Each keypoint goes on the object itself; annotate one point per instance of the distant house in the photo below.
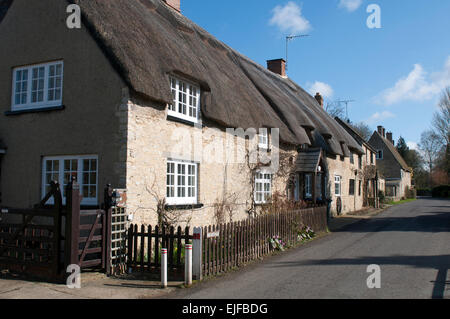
(391, 164)
(372, 180)
(123, 99)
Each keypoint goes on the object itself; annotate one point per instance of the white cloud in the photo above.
(379, 116)
(413, 146)
(289, 18)
(323, 88)
(417, 85)
(350, 5)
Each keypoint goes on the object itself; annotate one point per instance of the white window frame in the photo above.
(186, 199)
(192, 100)
(263, 178)
(36, 105)
(338, 181)
(263, 138)
(80, 172)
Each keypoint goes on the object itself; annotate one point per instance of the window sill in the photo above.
(183, 121)
(36, 110)
(183, 207)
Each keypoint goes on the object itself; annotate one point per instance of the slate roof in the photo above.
(394, 152)
(308, 160)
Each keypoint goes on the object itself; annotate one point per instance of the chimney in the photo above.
(389, 137)
(319, 99)
(174, 4)
(380, 130)
(277, 66)
(384, 132)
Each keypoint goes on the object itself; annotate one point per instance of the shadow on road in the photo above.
(440, 263)
(432, 222)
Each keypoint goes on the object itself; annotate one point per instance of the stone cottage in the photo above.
(390, 163)
(144, 99)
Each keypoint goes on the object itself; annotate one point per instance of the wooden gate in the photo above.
(30, 239)
(88, 240)
(44, 240)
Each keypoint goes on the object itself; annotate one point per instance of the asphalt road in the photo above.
(410, 243)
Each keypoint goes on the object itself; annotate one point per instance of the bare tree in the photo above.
(363, 130)
(430, 145)
(335, 109)
(441, 118)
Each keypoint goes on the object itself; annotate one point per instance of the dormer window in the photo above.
(37, 86)
(186, 100)
(263, 139)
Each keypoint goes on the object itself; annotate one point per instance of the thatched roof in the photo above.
(146, 41)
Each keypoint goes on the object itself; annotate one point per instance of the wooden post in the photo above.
(57, 219)
(130, 247)
(107, 228)
(73, 200)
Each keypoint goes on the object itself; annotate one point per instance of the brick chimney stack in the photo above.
(319, 99)
(389, 137)
(174, 4)
(381, 131)
(277, 66)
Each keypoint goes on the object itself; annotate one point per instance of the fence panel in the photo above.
(144, 247)
(233, 244)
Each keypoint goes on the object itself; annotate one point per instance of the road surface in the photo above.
(410, 243)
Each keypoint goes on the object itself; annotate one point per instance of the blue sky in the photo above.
(395, 73)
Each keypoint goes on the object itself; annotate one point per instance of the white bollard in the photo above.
(163, 267)
(197, 254)
(188, 265)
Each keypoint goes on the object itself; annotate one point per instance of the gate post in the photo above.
(197, 254)
(72, 234)
(108, 203)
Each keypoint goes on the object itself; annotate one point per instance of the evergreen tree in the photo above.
(402, 147)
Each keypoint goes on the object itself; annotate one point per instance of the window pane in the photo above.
(37, 85)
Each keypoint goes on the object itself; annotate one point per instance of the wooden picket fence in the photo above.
(223, 246)
(230, 245)
(144, 247)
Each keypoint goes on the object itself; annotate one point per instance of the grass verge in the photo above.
(402, 201)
